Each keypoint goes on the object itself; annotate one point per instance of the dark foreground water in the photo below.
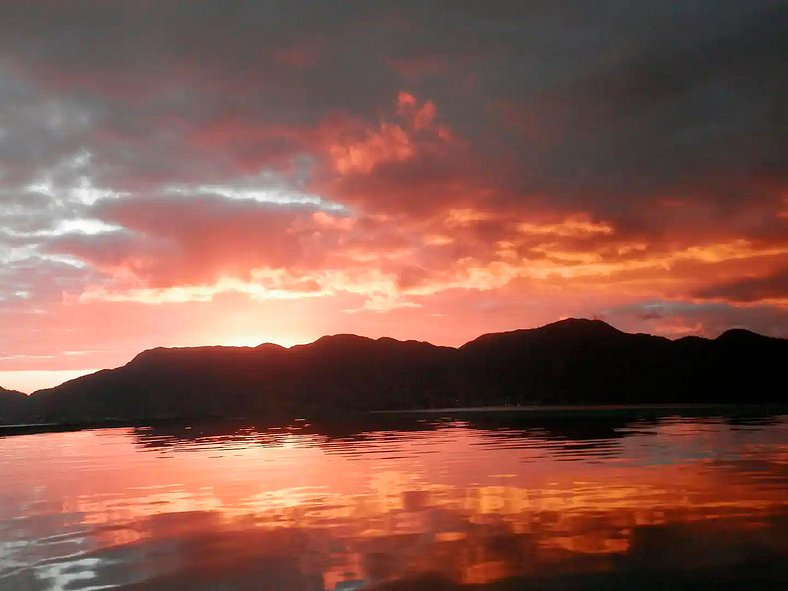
(597, 501)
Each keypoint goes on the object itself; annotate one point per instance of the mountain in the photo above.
(13, 405)
(573, 361)
(581, 361)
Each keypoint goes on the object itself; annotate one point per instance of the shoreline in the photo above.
(552, 410)
(575, 407)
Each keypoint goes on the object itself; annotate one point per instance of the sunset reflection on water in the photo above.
(591, 502)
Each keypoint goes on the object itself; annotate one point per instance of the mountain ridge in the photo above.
(572, 361)
(12, 404)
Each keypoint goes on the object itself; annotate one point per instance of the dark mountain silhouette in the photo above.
(568, 362)
(13, 405)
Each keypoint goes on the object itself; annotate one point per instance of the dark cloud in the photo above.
(677, 319)
(619, 100)
(748, 290)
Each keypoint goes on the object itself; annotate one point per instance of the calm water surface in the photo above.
(592, 502)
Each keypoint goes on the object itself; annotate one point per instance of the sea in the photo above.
(576, 499)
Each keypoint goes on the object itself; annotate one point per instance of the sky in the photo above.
(237, 172)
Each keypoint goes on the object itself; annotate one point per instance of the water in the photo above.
(501, 502)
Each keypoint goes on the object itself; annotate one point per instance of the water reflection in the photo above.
(486, 502)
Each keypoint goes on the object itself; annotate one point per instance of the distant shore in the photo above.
(567, 407)
(551, 410)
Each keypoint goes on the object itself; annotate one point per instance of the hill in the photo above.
(13, 405)
(573, 361)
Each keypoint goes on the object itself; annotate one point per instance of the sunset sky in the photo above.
(235, 172)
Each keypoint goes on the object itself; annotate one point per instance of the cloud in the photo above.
(173, 240)
(768, 289)
(710, 319)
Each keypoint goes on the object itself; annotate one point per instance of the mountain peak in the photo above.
(269, 347)
(5, 391)
(342, 339)
(566, 328)
(740, 335)
(582, 324)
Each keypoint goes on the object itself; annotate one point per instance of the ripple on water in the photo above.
(583, 502)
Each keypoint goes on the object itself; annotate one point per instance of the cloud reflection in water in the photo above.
(490, 503)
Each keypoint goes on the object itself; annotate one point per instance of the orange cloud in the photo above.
(389, 142)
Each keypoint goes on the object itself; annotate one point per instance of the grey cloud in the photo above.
(37, 281)
(708, 319)
(630, 98)
(749, 290)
